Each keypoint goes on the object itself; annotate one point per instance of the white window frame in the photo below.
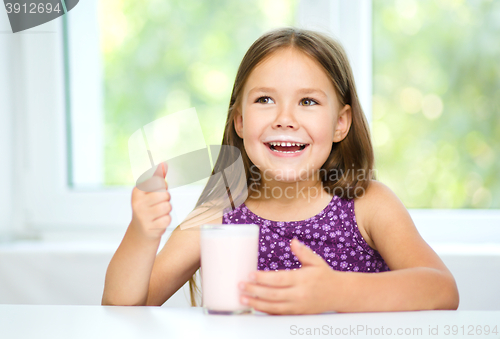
(37, 200)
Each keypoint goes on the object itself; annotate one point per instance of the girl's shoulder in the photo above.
(371, 206)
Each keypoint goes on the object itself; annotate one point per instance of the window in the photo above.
(436, 101)
(72, 165)
(130, 63)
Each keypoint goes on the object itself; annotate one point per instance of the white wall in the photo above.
(477, 278)
(60, 273)
(73, 273)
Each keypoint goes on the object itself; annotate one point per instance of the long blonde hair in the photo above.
(354, 152)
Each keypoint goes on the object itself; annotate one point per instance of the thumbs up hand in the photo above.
(151, 205)
(157, 182)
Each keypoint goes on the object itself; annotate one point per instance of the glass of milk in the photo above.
(228, 255)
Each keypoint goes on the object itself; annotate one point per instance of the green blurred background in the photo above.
(436, 85)
(436, 101)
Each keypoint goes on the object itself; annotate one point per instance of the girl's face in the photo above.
(290, 116)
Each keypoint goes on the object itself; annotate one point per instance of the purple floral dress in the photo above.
(333, 234)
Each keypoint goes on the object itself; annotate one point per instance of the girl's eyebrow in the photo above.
(312, 91)
(303, 91)
(262, 89)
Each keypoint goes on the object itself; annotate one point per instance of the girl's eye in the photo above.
(264, 100)
(308, 102)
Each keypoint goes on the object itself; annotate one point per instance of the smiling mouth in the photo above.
(286, 147)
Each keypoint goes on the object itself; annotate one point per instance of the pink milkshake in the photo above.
(228, 254)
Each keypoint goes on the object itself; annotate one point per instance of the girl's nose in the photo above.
(285, 119)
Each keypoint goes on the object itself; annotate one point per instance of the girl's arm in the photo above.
(128, 274)
(418, 278)
(129, 271)
(143, 278)
(175, 264)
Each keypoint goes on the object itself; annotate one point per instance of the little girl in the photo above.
(332, 238)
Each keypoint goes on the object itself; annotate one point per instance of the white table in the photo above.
(94, 322)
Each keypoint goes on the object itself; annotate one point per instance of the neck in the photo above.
(287, 193)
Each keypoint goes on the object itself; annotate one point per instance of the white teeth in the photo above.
(285, 144)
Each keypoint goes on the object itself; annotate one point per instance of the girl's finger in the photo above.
(265, 293)
(305, 255)
(152, 185)
(273, 278)
(160, 211)
(155, 199)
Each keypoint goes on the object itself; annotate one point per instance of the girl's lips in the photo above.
(288, 151)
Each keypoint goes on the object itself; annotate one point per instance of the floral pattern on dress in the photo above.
(333, 234)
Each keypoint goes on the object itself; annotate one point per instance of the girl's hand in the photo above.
(151, 205)
(312, 289)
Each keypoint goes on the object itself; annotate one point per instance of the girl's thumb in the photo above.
(305, 255)
(161, 170)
